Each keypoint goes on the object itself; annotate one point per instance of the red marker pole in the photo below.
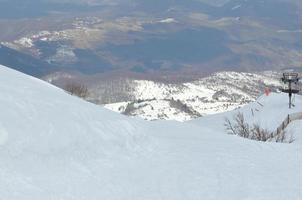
(267, 91)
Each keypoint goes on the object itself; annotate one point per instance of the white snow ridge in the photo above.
(168, 20)
(54, 146)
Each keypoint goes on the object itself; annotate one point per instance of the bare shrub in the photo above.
(282, 137)
(260, 134)
(76, 89)
(130, 108)
(241, 128)
(183, 107)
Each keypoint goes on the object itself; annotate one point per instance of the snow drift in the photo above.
(55, 146)
(39, 118)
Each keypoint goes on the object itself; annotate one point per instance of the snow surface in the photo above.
(54, 146)
(26, 42)
(168, 20)
(236, 7)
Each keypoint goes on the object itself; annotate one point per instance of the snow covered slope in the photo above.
(220, 92)
(267, 111)
(55, 146)
(38, 117)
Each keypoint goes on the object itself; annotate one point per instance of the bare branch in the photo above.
(76, 89)
(254, 132)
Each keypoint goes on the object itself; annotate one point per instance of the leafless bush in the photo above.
(284, 137)
(130, 108)
(241, 128)
(183, 107)
(76, 89)
(260, 134)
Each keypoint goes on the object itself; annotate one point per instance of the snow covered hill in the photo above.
(220, 92)
(55, 146)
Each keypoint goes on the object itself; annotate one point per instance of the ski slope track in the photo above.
(54, 146)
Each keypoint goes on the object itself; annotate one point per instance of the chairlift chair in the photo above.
(291, 85)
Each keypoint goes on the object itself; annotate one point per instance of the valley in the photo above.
(137, 39)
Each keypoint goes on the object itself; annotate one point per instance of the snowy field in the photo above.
(57, 147)
(217, 93)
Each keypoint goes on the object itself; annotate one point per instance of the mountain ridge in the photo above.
(220, 92)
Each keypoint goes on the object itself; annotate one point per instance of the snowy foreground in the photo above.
(57, 147)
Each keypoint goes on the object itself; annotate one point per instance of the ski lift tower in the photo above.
(291, 81)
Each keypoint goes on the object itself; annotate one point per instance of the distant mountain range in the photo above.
(153, 38)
